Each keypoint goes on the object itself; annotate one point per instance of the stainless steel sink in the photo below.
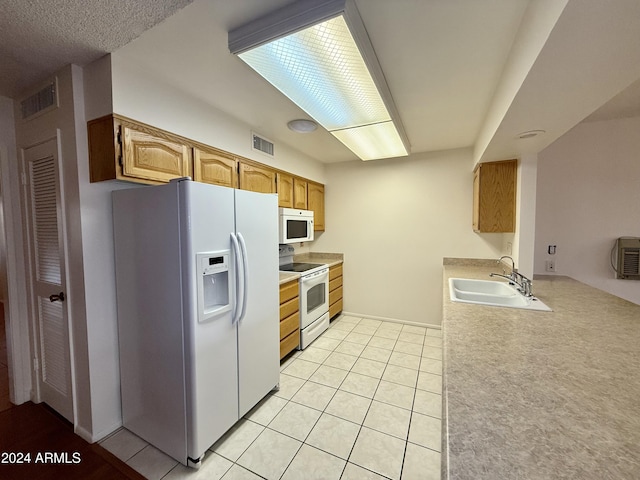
(490, 292)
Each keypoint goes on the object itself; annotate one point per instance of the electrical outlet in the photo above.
(550, 266)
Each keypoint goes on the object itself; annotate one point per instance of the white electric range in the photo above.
(314, 295)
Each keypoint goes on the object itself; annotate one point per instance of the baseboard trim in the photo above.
(393, 320)
(93, 438)
(84, 434)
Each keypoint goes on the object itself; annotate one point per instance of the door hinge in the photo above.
(36, 364)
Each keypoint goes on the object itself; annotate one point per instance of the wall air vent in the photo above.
(43, 100)
(261, 144)
(628, 256)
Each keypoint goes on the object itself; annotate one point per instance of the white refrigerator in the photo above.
(198, 310)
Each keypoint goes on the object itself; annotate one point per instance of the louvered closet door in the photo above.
(49, 306)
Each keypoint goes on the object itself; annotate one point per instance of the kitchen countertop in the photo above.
(330, 259)
(540, 395)
(288, 277)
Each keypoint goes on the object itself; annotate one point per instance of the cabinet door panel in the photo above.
(494, 196)
(290, 343)
(299, 194)
(215, 168)
(288, 291)
(335, 271)
(335, 295)
(152, 157)
(257, 179)
(335, 308)
(289, 325)
(288, 308)
(285, 190)
(315, 202)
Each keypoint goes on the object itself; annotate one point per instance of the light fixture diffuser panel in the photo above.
(321, 70)
(373, 142)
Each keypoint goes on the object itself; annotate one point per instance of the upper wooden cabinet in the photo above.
(215, 166)
(285, 190)
(494, 196)
(126, 150)
(257, 178)
(299, 193)
(315, 202)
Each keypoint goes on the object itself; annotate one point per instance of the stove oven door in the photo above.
(314, 297)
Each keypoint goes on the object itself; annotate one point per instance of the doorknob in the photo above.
(57, 298)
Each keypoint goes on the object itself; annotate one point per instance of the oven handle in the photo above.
(316, 279)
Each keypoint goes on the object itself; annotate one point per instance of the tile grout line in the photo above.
(336, 389)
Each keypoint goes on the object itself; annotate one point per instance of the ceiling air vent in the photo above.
(41, 101)
(262, 144)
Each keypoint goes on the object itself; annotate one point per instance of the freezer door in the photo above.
(259, 327)
(150, 326)
(207, 222)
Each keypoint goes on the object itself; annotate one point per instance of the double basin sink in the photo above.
(490, 292)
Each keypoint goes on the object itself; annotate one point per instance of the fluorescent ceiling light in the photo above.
(319, 55)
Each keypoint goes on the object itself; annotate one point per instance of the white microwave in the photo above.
(295, 225)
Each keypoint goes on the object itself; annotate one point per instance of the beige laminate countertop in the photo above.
(541, 395)
(330, 259)
(288, 277)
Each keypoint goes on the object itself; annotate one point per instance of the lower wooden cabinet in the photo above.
(289, 318)
(335, 290)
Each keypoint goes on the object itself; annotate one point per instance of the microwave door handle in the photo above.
(237, 307)
(245, 276)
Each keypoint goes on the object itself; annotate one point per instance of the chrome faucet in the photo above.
(515, 277)
(513, 264)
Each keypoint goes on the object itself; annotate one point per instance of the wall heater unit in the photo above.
(628, 258)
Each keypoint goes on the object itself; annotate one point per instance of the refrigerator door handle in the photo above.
(245, 276)
(237, 308)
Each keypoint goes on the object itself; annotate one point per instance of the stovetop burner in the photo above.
(299, 267)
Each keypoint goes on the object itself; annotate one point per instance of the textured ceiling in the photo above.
(463, 73)
(38, 37)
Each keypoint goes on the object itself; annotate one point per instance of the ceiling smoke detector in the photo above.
(302, 125)
(529, 134)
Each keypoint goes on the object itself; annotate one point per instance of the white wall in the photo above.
(587, 196)
(537, 23)
(30, 133)
(141, 97)
(395, 220)
(7, 144)
(15, 303)
(98, 259)
(522, 241)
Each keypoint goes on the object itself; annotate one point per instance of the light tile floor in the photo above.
(364, 401)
